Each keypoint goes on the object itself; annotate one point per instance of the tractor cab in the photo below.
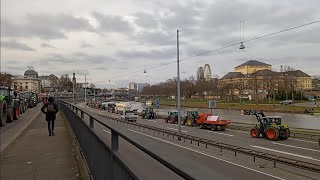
(192, 113)
(148, 113)
(173, 113)
(276, 120)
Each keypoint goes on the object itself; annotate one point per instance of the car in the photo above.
(286, 102)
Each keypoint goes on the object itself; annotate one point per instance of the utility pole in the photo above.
(85, 89)
(73, 86)
(178, 89)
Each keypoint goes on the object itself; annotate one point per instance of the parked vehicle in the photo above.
(6, 105)
(312, 112)
(212, 122)
(111, 107)
(286, 102)
(270, 127)
(128, 115)
(248, 112)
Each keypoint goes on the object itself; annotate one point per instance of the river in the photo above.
(293, 120)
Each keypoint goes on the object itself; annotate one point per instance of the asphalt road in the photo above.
(206, 163)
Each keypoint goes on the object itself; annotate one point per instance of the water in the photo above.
(293, 120)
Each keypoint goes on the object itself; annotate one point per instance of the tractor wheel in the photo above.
(16, 113)
(171, 120)
(286, 134)
(189, 121)
(254, 132)
(10, 114)
(272, 133)
(213, 127)
(3, 113)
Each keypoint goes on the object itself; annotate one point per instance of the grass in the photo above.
(253, 106)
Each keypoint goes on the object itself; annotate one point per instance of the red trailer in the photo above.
(212, 122)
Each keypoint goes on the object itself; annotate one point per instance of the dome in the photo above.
(31, 73)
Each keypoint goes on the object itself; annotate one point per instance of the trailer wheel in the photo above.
(223, 128)
(213, 127)
(201, 126)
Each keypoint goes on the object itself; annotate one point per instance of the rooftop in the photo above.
(231, 75)
(254, 63)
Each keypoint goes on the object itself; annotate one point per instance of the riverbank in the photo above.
(237, 106)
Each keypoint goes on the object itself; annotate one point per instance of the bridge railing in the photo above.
(104, 161)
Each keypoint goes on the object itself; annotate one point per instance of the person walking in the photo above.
(51, 111)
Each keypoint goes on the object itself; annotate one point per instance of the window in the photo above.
(26, 87)
(21, 87)
(26, 82)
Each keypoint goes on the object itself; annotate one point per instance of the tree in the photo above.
(66, 83)
(5, 79)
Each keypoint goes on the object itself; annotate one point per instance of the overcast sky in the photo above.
(107, 39)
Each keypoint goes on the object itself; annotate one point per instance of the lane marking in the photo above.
(152, 120)
(244, 132)
(220, 133)
(283, 152)
(303, 140)
(106, 131)
(295, 147)
(205, 154)
(174, 125)
(176, 129)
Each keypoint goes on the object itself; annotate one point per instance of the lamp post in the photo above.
(178, 89)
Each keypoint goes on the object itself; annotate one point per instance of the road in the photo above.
(201, 161)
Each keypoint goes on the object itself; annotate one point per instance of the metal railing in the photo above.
(103, 161)
(223, 146)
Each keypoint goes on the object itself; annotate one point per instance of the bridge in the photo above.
(106, 147)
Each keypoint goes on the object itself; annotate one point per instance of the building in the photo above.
(140, 87)
(254, 77)
(29, 82)
(252, 66)
(49, 83)
(132, 86)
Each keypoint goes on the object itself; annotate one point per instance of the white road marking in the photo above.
(173, 124)
(221, 133)
(205, 154)
(245, 132)
(176, 129)
(295, 147)
(106, 131)
(303, 140)
(283, 152)
(152, 120)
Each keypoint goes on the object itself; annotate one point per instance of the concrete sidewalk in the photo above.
(35, 155)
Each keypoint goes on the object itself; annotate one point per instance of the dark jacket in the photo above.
(50, 116)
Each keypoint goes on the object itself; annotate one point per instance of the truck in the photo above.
(128, 115)
(121, 107)
(212, 122)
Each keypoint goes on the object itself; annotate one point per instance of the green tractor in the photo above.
(148, 113)
(191, 118)
(270, 127)
(172, 117)
(6, 105)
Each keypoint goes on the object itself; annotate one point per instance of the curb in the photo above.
(10, 139)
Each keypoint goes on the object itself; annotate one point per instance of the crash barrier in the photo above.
(276, 159)
(104, 162)
(294, 132)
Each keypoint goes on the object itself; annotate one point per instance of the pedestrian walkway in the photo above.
(35, 155)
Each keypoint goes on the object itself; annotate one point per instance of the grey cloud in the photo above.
(146, 20)
(155, 38)
(152, 54)
(46, 45)
(112, 23)
(86, 45)
(45, 26)
(15, 46)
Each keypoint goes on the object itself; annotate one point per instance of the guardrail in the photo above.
(223, 146)
(104, 162)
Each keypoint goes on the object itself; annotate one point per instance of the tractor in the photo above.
(148, 113)
(172, 117)
(191, 118)
(269, 127)
(6, 105)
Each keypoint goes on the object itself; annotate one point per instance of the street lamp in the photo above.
(178, 88)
